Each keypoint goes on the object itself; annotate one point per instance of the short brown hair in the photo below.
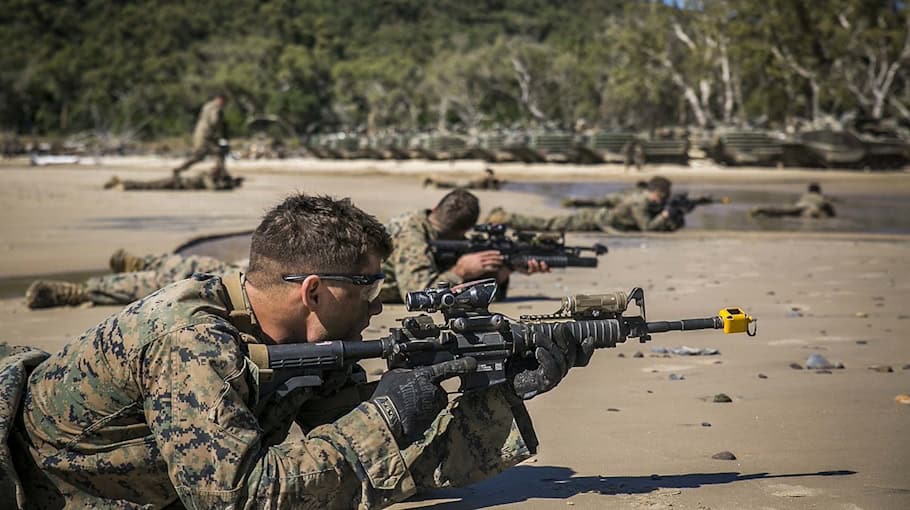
(660, 184)
(458, 210)
(314, 234)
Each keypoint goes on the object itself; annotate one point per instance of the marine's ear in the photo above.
(310, 289)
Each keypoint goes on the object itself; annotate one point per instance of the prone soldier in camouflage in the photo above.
(609, 200)
(487, 182)
(206, 181)
(642, 211)
(160, 404)
(812, 204)
(412, 267)
(133, 278)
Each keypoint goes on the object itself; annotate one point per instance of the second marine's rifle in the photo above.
(518, 248)
(469, 329)
(680, 204)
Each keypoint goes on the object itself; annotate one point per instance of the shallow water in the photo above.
(886, 214)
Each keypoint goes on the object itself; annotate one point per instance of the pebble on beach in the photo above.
(881, 368)
(762, 376)
(722, 398)
(724, 455)
(818, 362)
(796, 366)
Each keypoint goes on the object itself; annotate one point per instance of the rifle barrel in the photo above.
(685, 325)
(322, 354)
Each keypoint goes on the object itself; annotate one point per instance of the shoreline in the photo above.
(696, 170)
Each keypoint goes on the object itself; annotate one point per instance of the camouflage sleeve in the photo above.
(178, 267)
(586, 220)
(197, 387)
(413, 264)
(479, 435)
(160, 271)
(642, 214)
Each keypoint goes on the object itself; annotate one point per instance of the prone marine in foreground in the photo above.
(160, 404)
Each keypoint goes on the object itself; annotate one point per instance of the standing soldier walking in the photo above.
(210, 136)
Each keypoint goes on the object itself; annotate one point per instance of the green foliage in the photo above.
(323, 65)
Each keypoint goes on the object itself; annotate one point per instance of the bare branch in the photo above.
(681, 35)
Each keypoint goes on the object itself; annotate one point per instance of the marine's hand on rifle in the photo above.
(410, 400)
(534, 266)
(472, 266)
(552, 360)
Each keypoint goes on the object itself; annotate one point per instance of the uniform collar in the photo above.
(240, 313)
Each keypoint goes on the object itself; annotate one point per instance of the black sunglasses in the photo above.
(356, 279)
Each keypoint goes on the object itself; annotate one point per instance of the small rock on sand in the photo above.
(724, 455)
(762, 376)
(796, 366)
(722, 398)
(881, 368)
(818, 362)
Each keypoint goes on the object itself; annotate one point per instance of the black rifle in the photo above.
(518, 248)
(471, 330)
(680, 204)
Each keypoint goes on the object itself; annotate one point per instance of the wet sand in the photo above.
(802, 439)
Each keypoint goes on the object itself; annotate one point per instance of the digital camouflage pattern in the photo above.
(487, 182)
(210, 126)
(160, 402)
(214, 181)
(411, 266)
(609, 200)
(157, 272)
(15, 363)
(815, 205)
(809, 205)
(633, 212)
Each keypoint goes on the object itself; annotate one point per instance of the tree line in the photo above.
(144, 68)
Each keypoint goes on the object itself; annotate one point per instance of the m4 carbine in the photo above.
(518, 248)
(469, 329)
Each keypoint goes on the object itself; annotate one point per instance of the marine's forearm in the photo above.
(481, 434)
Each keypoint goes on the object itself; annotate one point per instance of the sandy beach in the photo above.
(620, 433)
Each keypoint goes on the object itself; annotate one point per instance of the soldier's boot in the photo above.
(114, 183)
(124, 262)
(49, 293)
(497, 215)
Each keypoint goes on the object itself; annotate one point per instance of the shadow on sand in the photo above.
(548, 482)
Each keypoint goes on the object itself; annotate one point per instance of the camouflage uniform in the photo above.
(810, 205)
(634, 212)
(487, 182)
(634, 154)
(161, 402)
(609, 200)
(210, 126)
(411, 266)
(221, 181)
(157, 272)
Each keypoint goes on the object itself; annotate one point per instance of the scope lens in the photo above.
(418, 300)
